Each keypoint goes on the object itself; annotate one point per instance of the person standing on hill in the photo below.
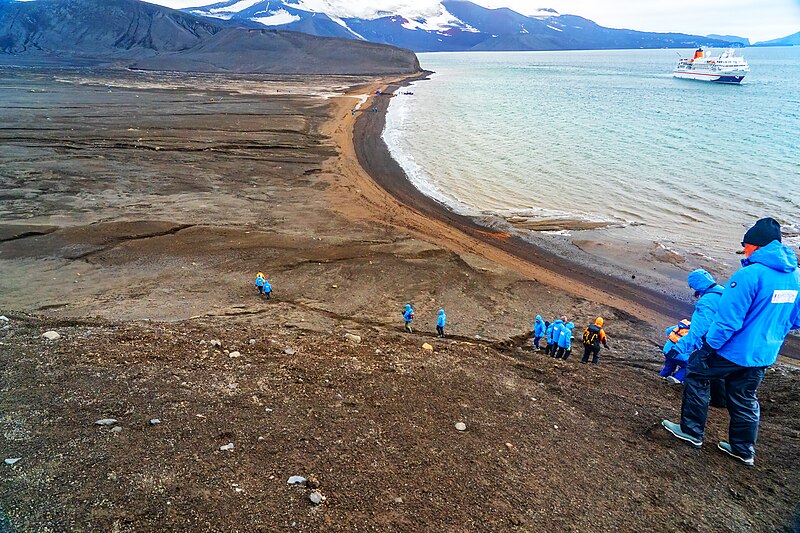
(538, 331)
(408, 316)
(441, 320)
(756, 311)
(592, 338)
(260, 279)
(565, 342)
(552, 338)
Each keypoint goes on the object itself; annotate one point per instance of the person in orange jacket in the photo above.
(593, 337)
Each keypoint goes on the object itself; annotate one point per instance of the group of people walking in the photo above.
(558, 338)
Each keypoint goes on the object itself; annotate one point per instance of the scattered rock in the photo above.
(215, 343)
(3, 318)
(12, 460)
(398, 500)
(334, 286)
(478, 337)
(355, 339)
(234, 355)
(312, 482)
(106, 422)
(268, 410)
(116, 429)
(252, 341)
(555, 427)
(427, 347)
(154, 421)
(316, 497)
(51, 335)
(289, 351)
(509, 445)
(461, 426)
(226, 448)
(296, 480)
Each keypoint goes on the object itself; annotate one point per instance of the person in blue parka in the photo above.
(565, 342)
(441, 320)
(756, 311)
(552, 337)
(708, 293)
(538, 331)
(408, 316)
(267, 289)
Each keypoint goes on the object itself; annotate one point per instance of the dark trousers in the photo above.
(741, 384)
(408, 326)
(536, 342)
(594, 351)
(563, 353)
(440, 330)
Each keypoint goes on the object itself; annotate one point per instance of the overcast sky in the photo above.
(756, 19)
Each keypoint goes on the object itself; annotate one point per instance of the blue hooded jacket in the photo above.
(704, 312)
(408, 315)
(758, 308)
(538, 327)
(552, 337)
(442, 320)
(565, 336)
(260, 281)
(267, 286)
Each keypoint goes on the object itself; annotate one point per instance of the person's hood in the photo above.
(599, 322)
(775, 256)
(441, 312)
(408, 307)
(570, 326)
(538, 318)
(700, 280)
(559, 321)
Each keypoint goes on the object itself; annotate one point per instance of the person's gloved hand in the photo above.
(699, 357)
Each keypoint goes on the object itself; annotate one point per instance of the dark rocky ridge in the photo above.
(136, 34)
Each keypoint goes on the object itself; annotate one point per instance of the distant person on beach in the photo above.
(756, 311)
(552, 339)
(538, 331)
(674, 368)
(441, 320)
(565, 342)
(408, 316)
(709, 294)
(593, 337)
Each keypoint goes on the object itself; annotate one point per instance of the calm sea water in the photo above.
(606, 136)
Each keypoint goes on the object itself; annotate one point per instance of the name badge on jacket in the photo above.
(784, 297)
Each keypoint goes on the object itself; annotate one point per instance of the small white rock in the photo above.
(226, 448)
(355, 339)
(3, 318)
(215, 343)
(289, 351)
(116, 429)
(12, 460)
(427, 347)
(556, 427)
(461, 426)
(154, 421)
(106, 422)
(234, 355)
(296, 480)
(316, 497)
(51, 335)
(252, 341)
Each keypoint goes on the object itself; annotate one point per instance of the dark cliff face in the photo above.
(141, 35)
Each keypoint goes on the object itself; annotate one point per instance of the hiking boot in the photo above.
(725, 447)
(677, 432)
(672, 379)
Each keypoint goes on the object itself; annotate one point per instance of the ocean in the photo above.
(566, 141)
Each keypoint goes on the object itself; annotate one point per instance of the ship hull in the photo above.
(715, 78)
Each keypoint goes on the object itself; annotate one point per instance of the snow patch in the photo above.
(241, 5)
(554, 28)
(277, 18)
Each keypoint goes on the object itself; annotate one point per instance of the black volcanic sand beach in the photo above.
(135, 210)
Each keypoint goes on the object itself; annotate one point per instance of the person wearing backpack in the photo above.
(538, 331)
(592, 338)
(565, 342)
(674, 369)
(408, 316)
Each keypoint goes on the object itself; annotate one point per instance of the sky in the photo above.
(758, 20)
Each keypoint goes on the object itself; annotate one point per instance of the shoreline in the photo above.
(374, 158)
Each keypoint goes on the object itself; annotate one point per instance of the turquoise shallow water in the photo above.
(607, 136)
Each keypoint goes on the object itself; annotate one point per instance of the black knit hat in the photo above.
(763, 232)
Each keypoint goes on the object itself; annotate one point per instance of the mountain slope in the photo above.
(451, 25)
(789, 40)
(142, 35)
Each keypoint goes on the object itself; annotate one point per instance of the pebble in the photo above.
(154, 421)
(355, 339)
(398, 500)
(312, 482)
(289, 351)
(252, 341)
(427, 347)
(51, 335)
(215, 343)
(226, 448)
(106, 421)
(316, 497)
(3, 318)
(556, 427)
(234, 355)
(509, 445)
(12, 460)
(296, 480)
(461, 426)
(116, 429)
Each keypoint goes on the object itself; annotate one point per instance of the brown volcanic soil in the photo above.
(133, 222)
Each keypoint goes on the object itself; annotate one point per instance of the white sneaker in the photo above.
(673, 380)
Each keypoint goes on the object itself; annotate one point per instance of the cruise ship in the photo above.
(725, 68)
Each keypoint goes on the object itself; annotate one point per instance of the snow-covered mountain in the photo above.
(449, 25)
